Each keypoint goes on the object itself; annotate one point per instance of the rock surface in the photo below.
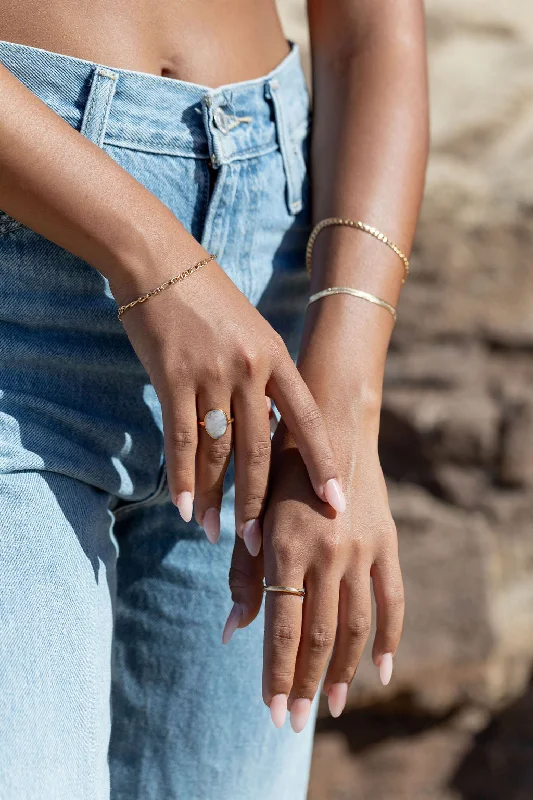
(457, 442)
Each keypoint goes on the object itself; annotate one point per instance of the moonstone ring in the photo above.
(216, 422)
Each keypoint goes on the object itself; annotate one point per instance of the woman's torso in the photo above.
(211, 42)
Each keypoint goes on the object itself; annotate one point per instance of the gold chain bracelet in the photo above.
(166, 285)
(362, 226)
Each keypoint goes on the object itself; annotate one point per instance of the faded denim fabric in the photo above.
(113, 679)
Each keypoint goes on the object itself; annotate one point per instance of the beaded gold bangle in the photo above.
(362, 226)
(166, 285)
(370, 298)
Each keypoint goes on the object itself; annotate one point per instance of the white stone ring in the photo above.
(216, 423)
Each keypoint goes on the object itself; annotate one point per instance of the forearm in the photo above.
(66, 188)
(369, 151)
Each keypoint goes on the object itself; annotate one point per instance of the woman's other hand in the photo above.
(338, 559)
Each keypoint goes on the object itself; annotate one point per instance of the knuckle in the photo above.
(280, 678)
(306, 687)
(358, 628)
(329, 550)
(395, 599)
(252, 506)
(239, 578)
(311, 416)
(215, 370)
(249, 362)
(284, 634)
(278, 348)
(218, 452)
(320, 640)
(258, 454)
(283, 553)
(182, 440)
(344, 674)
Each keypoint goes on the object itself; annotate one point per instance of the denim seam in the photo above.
(92, 745)
(205, 195)
(294, 198)
(158, 491)
(249, 152)
(211, 213)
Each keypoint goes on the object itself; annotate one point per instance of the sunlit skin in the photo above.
(368, 161)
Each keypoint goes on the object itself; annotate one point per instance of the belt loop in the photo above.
(96, 113)
(288, 154)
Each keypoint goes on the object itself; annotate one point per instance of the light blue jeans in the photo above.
(113, 678)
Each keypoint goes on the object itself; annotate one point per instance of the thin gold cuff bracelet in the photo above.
(362, 226)
(371, 298)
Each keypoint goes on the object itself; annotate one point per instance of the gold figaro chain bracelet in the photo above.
(362, 226)
(166, 285)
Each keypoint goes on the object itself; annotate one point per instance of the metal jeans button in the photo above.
(221, 120)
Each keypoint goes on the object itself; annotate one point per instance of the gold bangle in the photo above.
(166, 285)
(371, 298)
(362, 226)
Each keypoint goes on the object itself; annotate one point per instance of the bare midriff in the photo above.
(212, 42)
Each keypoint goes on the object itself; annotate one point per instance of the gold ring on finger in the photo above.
(283, 589)
(216, 422)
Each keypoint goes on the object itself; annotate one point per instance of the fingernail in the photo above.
(335, 496)
(184, 503)
(385, 668)
(232, 623)
(211, 524)
(278, 709)
(300, 713)
(251, 533)
(337, 698)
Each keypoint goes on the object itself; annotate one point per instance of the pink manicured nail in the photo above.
(300, 713)
(211, 524)
(337, 698)
(232, 623)
(278, 709)
(251, 533)
(335, 496)
(385, 668)
(184, 503)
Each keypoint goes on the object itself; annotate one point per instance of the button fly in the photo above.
(221, 120)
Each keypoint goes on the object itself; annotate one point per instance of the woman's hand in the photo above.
(206, 347)
(334, 557)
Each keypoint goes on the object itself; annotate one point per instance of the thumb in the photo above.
(246, 585)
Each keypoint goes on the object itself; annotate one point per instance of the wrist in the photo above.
(141, 255)
(351, 414)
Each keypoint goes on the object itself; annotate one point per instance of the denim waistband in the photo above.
(165, 115)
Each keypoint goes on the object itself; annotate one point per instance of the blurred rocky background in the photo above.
(456, 722)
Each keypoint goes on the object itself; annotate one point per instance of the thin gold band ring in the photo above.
(283, 590)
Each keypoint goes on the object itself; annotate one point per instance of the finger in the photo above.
(246, 585)
(353, 628)
(304, 420)
(320, 611)
(283, 623)
(252, 463)
(212, 459)
(388, 591)
(180, 441)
